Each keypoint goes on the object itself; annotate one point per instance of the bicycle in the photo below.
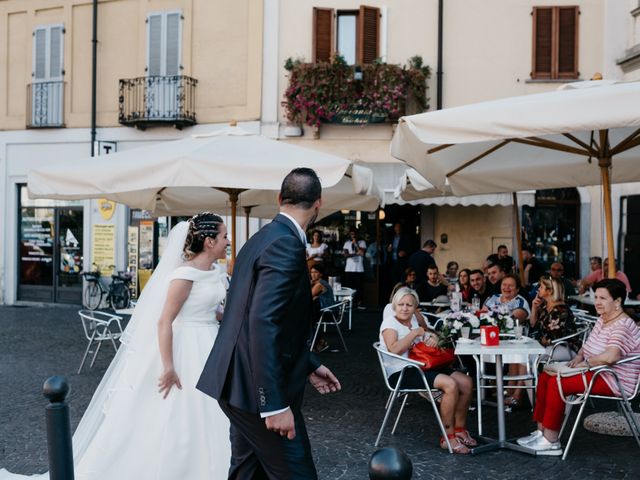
(117, 294)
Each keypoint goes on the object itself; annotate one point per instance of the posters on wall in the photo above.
(103, 249)
(132, 259)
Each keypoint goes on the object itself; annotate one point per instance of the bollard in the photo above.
(58, 429)
(390, 464)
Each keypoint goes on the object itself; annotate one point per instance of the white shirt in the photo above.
(392, 365)
(355, 263)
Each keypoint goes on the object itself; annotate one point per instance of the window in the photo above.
(354, 34)
(46, 94)
(163, 40)
(47, 53)
(555, 43)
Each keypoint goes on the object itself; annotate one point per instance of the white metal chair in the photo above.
(530, 377)
(624, 401)
(99, 327)
(332, 316)
(397, 392)
(581, 334)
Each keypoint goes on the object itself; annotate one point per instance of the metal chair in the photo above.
(332, 316)
(397, 392)
(624, 401)
(99, 327)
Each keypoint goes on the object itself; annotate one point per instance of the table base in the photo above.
(498, 445)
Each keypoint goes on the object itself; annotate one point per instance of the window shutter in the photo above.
(154, 66)
(173, 44)
(40, 54)
(542, 42)
(368, 44)
(55, 65)
(568, 42)
(323, 25)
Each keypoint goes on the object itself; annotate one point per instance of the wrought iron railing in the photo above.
(157, 100)
(45, 105)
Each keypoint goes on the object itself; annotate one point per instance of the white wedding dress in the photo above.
(129, 431)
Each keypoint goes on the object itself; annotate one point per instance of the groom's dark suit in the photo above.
(261, 359)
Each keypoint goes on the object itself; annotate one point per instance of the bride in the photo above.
(146, 420)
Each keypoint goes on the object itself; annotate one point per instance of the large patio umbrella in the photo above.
(201, 172)
(586, 133)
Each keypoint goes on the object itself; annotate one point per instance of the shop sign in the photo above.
(103, 247)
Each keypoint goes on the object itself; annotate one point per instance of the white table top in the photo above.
(505, 347)
(586, 300)
(344, 291)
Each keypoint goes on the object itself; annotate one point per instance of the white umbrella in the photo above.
(579, 132)
(206, 171)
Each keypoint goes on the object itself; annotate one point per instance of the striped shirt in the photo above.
(624, 335)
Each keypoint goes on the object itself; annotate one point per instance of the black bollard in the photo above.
(58, 429)
(390, 464)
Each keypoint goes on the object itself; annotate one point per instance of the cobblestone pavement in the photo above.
(37, 342)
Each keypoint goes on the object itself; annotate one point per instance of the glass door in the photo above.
(37, 233)
(69, 255)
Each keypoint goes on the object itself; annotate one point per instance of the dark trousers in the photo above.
(354, 280)
(258, 454)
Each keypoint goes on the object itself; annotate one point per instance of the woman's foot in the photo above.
(523, 441)
(463, 436)
(512, 403)
(456, 444)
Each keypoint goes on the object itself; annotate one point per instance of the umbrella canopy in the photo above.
(566, 138)
(413, 187)
(207, 171)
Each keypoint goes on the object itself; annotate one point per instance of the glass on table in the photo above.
(518, 330)
(475, 304)
(465, 332)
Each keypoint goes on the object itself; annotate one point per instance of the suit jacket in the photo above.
(261, 359)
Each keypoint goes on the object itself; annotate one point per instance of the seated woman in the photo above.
(397, 334)
(408, 281)
(550, 320)
(614, 337)
(465, 285)
(323, 297)
(510, 299)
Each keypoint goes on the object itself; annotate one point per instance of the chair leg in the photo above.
(84, 358)
(388, 401)
(404, 402)
(315, 335)
(340, 333)
(113, 342)
(436, 412)
(93, 360)
(573, 430)
(567, 413)
(480, 395)
(631, 420)
(530, 393)
(394, 395)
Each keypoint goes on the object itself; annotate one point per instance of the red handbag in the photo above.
(432, 357)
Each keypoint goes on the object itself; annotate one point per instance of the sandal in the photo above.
(512, 402)
(457, 447)
(464, 437)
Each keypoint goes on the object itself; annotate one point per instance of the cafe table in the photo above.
(524, 346)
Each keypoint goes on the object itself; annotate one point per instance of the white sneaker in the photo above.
(542, 446)
(529, 438)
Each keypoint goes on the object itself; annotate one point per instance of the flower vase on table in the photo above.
(498, 317)
(453, 324)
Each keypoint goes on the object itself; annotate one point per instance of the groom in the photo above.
(259, 364)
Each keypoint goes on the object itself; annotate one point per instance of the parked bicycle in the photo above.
(117, 293)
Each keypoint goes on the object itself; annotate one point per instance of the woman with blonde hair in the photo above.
(398, 333)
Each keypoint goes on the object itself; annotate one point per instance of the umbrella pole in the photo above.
(233, 198)
(247, 212)
(516, 218)
(605, 163)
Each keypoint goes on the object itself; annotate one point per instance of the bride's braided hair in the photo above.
(201, 226)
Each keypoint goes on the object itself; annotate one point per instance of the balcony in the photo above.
(45, 105)
(335, 92)
(157, 100)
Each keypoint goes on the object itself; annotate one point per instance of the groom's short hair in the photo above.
(301, 187)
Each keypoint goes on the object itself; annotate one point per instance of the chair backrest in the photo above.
(381, 356)
(337, 310)
(104, 323)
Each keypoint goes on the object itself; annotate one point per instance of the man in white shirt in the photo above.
(354, 251)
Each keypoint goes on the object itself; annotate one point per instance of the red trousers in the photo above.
(549, 410)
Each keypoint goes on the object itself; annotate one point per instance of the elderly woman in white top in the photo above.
(397, 334)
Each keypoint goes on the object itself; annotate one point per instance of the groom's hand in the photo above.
(324, 381)
(282, 424)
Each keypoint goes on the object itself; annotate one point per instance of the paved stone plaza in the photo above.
(37, 342)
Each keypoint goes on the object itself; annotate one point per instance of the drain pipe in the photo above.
(439, 70)
(94, 55)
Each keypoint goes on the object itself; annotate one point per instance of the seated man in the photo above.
(598, 275)
(495, 274)
(434, 287)
(556, 271)
(479, 286)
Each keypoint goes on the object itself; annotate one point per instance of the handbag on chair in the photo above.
(432, 357)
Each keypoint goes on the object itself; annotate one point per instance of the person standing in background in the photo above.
(398, 252)
(354, 250)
